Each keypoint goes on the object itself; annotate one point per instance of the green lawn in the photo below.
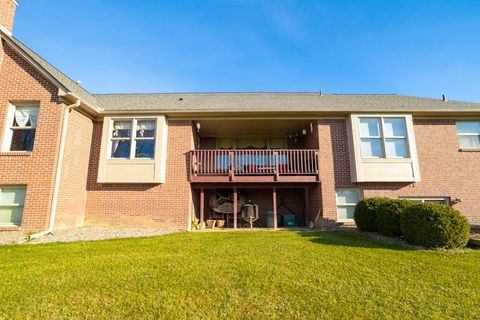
(262, 275)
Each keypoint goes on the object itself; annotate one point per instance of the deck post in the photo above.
(277, 170)
(235, 209)
(317, 155)
(232, 166)
(190, 161)
(274, 198)
(202, 206)
(307, 206)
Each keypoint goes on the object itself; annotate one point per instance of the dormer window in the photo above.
(21, 128)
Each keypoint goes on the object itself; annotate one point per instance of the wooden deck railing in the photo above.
(232, 163)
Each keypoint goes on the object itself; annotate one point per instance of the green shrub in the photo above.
(388, 216)
(434, 225)
(366, 212)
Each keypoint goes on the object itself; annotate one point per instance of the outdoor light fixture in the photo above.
(456, 200)
(304, 131)
(197, 125)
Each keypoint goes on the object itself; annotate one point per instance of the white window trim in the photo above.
(361, 168)
(9, 128)
(8, 133)
(136, 170)
(446, 200)
(467, 134)
(13, 205)
(382, 137)
(348, 205)
(133, 138)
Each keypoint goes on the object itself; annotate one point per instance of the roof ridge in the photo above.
(257, 93)
(52, 71)
(46, 61)
(245, 92)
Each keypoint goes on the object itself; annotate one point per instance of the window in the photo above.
(383, 137)
(347, 199)
(469, 134)
(133, 149)
(21, 126)
(139, 144)
(11, 205)
(439, 200)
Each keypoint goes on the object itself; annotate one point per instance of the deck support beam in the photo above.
(235, 208)
(274, 198)
(202, 206)
(307, 207)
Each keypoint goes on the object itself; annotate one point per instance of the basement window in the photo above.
(11, 205)
(347, 199)
(438, 200)
(21, 128)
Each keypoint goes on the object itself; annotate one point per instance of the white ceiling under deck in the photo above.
(254, 127)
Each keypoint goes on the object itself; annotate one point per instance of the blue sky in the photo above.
(423, 48)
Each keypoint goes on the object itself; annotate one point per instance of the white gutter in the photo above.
(91, 108)
(58, 173)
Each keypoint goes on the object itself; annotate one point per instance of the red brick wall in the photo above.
(333, 164)
(165, 205)
(311, 141)
(19, 82)
(445, 171)
(7, 13)
(72, 198)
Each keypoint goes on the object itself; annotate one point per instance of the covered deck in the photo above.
(274, 200)
(272, 164)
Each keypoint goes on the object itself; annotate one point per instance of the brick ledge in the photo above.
(9, 228)
(16, 154)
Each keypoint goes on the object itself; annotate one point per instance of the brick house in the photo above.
(71, 158)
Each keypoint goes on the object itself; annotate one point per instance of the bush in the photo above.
(366, 212)
(388, 216)
(434, 225)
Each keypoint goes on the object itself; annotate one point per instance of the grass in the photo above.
(262, 275)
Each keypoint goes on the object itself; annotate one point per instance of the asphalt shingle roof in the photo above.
(68, 83)
(308, 102)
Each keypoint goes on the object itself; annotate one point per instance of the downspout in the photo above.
(58, 172)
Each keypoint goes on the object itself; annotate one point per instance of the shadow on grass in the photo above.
(354, 239)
